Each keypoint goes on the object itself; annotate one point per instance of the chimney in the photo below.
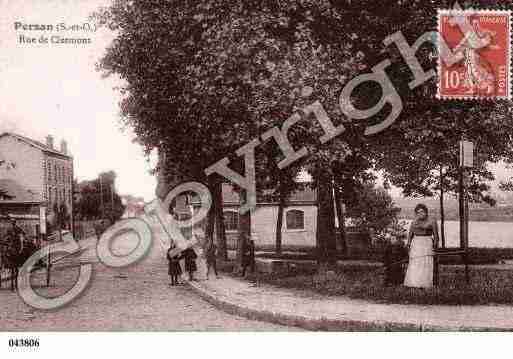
(64, 147)
(49, 141)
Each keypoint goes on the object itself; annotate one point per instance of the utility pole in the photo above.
(466, 161)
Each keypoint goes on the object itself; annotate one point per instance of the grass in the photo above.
(364, 282)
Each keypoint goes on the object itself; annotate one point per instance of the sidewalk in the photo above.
(316, 312)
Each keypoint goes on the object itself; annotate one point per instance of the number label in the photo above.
(24, 343)
(452, 79)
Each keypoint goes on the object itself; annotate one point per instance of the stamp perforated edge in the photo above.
(469, 11)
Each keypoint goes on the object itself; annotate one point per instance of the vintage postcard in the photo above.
(242, 166)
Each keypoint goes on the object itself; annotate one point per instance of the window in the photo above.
(295, 219)
(231, 220)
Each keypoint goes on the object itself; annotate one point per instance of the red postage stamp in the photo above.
(474, 50)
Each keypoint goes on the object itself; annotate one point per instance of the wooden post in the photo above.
(461, 200)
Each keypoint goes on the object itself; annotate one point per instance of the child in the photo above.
(190, 262)
(174, 266)
(211, 259)
(394, 260)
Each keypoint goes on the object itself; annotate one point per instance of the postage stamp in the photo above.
(478, 43)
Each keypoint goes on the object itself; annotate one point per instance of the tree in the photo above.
(374, 208)
(217, 74)
(277, 185)
(350, 173)
(113, 210)
(88, 206)
(420, 151)
(98, 198)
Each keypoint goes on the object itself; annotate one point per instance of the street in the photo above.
(137, 298)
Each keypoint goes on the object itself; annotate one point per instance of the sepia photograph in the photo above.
(241, 166)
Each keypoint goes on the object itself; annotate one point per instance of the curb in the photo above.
(325, 324)
(321, 324)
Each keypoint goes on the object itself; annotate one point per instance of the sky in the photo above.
(55, 89)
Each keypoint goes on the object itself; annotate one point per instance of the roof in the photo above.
(18, 193)
(36, 144)
(303, 196)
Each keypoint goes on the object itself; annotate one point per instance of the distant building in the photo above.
(134, 206)
(36, 172)
(299, 218)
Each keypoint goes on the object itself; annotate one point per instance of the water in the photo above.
(481, 234)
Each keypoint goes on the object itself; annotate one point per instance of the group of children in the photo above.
(189, 256)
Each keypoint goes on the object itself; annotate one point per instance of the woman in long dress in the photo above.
(422, 238)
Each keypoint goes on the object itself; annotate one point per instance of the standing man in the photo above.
(15, 237)
(15, 234)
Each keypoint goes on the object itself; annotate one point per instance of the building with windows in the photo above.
(299, 219)
(134, 206)
(37, 169)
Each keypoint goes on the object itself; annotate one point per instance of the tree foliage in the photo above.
(374, 208)
(203, 78)
(98, 199)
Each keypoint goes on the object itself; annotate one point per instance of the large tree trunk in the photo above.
(217, 195)
(325, 238)
(244, 230)
(442, 211)
(341, 221)
(211, 215)
(279, 222)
